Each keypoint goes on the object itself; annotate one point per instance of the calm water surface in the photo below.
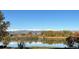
(36, 44)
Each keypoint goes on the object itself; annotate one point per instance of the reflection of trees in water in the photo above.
(43, 40)
(53, 41)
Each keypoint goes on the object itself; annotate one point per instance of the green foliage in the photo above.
(3, 27)
(56, 33)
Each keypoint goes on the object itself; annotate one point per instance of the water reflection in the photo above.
(49, 43)
(36, 44)
(40, 44)
(13, 45)
(1, 43)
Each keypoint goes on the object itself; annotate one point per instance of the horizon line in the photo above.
(42, 30)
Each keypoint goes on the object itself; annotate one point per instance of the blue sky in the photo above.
(43, 19)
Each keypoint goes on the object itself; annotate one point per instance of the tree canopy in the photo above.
(3, 26)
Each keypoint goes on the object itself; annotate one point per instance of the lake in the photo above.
(35, 44)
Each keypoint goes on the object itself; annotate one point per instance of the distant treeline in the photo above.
(48, 34)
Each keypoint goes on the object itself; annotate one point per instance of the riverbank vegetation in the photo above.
(50, 37)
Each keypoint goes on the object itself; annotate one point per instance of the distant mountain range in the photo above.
(23, 32)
